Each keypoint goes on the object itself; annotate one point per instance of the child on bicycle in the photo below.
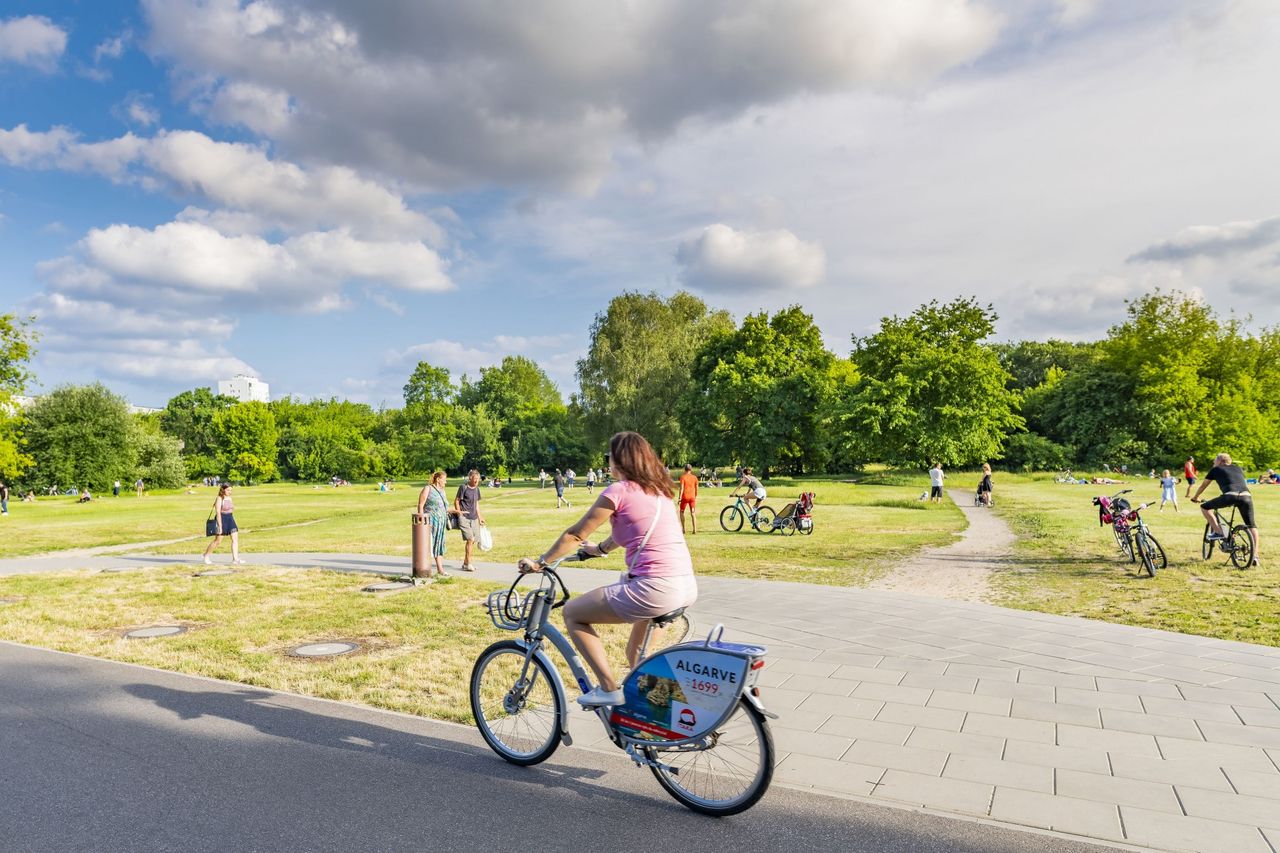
(1230, 479)
(659, 576)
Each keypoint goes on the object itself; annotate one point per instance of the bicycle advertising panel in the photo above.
(679, 694)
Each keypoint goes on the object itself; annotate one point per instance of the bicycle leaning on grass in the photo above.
(692, 712)
(761, 518)
(1236, 540)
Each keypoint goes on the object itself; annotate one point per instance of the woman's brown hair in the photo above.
(636, 461)
(222, 490)
(436, 476)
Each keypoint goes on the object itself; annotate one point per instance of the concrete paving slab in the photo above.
(1169, 832)
(1083, 817)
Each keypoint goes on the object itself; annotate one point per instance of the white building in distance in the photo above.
(245, 388)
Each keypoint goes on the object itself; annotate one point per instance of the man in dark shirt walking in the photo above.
(467, 503)
(558, 481)
(1235, 492)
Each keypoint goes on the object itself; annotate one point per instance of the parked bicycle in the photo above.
(692, 712)
(1132, 534)
(1237, 542)
(761, 518)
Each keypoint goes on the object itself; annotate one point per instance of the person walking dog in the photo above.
(224, 525)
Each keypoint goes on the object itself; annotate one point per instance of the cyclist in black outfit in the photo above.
(1235, 492)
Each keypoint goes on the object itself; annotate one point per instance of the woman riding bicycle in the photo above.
(659, 576)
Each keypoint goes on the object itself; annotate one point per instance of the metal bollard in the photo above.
(422, 561)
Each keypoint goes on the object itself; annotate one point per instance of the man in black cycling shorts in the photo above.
(1235, 492)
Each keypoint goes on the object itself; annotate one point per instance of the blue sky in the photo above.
(322, 192)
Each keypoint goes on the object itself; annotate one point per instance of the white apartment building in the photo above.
(245, 388)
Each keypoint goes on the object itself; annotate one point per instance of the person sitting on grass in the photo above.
(85, 497)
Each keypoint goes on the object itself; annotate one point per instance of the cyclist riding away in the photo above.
(755, 493)
(1230, 478)
(659, 576)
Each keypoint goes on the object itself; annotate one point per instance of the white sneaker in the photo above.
(238, 562)
(600, 697)
(207, 561)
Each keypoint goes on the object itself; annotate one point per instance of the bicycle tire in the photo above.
(1125, 540)
(1206, 544)
(1162, 562)
(731, 519)
(788, 526)
(500, 732)
(745, 722)
(763, 519)
(1144, 545)
(808, 529)
(1241, 547)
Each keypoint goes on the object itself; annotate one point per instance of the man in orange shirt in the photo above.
(689, 497)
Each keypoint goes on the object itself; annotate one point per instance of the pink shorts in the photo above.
(636, 599)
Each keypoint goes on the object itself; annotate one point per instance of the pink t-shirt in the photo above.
(666, 554)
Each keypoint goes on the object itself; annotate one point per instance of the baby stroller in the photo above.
(796, 517)
(977, 498)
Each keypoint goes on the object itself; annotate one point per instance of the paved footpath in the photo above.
(1130, 735)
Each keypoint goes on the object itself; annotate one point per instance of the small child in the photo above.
(1167, 491)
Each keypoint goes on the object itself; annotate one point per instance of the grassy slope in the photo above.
(1070, 565)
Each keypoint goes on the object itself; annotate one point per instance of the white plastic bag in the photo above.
(485, 539)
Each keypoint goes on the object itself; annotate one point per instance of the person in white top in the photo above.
(935, 482)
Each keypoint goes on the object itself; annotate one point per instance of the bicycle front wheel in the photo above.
(731, 519)
(1126, 543)
(1241, 547)
(518, 717)
(1206, 544)
(763, 520)
(730, 775)
(1146, 546)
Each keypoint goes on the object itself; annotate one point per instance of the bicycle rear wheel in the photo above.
(1241, 547)
(1152, 554)
(731, 519)
(1125, 541)
(1206, 544)
(763, 520)
(728, 777)
(520, 721)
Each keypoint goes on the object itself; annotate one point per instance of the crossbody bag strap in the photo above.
(649, 532)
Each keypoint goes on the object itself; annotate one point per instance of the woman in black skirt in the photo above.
(225, 524)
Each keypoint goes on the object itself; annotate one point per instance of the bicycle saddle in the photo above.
(667, 618)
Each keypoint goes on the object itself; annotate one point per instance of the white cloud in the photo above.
(556, 354)
(1071, 13)
(33, 40)
(723, 260)
(445, 94)
(235, 175)
(138, 111)
(1230, 238)
(190, 262)
(112, 48)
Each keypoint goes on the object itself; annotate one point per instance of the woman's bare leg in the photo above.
(636, 640)
(235, 547)
(213, 544)
(580, 614)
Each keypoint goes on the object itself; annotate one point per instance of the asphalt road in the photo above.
(99, 756)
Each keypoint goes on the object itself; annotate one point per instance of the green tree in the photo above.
(81, 435)
(1029, 362)
(929, 391)
(323, 438)
(247, 442)
(160, 463)
(516, 388)
(17, 345)
(428, 384)
(638, 366)
(188, 417)
(481, 439)
(425, 431)
(761, 394)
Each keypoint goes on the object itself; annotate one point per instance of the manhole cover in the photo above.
(388, 586)
(323, 650)
(213, 573)
(117, 570)
(155, 631)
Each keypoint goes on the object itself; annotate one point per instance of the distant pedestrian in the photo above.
(433, 504)
(467, 504)
(1168, 492)
(935, 482)
(115, 489)
(224, 524)
(570, 475)
(138, 486)
(591, 480)
(1189, 472)
(986, 486)
(557, 480)
(542, 478)
(4, 499)
(689, 498)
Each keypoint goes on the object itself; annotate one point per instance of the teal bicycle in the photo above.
(732, 517)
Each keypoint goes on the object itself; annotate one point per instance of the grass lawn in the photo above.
(859, 531)
(419, 645)
(1070, 565)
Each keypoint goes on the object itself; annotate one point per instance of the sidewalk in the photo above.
(1131, 735)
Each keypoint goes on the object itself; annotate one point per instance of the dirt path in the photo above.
(962, 570)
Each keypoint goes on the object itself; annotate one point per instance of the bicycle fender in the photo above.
(558, 685)
(758, 705)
